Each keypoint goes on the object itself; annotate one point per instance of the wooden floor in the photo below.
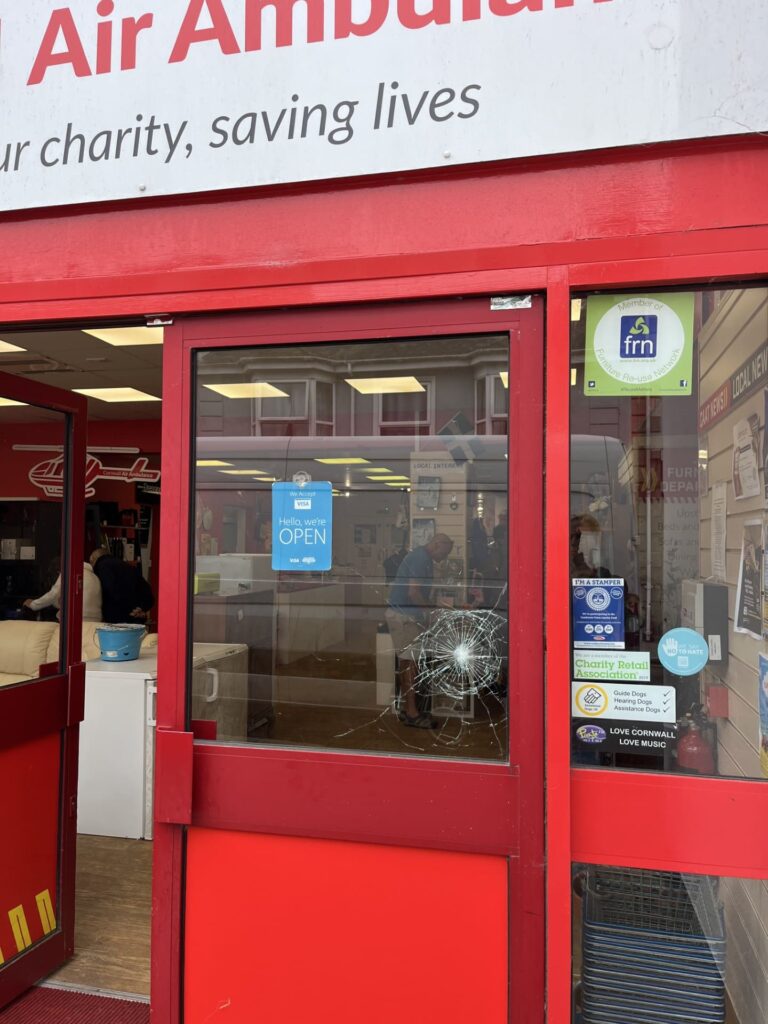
(114, 878)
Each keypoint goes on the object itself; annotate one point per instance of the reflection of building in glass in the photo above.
(412, 437)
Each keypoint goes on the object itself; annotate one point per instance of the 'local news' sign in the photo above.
(126, 98)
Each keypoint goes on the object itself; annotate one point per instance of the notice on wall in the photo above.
(619, 666)
(763, 706)
(717, 524)
(598, 613)
(639, 344)
(746, 458)
(623, 701)
(160, 97)
(748, 614)
(302, 527)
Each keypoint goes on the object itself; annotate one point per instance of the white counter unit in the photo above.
(117, 737)
(117, 749)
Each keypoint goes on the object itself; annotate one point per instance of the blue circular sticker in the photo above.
(683, 651)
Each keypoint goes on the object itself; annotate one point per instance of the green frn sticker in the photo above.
(639, 344)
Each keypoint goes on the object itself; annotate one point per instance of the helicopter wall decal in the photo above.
(49, 474)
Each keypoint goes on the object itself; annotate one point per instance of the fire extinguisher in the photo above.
(694, 751)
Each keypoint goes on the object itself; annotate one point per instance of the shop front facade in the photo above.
(545, 802)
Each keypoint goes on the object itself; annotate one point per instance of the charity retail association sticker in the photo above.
(639, 344)
(620, 701)
(616, 666)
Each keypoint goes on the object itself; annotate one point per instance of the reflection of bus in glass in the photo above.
(602, 480)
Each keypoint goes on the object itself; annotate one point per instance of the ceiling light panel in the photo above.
(244, 472)
(206, 463)
(252, 389)
(122, 337)
(9, 401)
(116, 394)
(6, 346)
(347, 461)
(504, 374)
(384, 385)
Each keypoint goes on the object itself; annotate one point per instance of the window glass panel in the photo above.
(480, 388)
(500, 393)
(662, 946)
(290, 403)
(405, 408)
(324, 393)
(32, 593)
(669, 393)
(350, 591)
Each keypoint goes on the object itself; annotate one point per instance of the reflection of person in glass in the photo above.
(410, 602)
(585, 548)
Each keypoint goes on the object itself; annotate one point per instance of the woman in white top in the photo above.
(91, 596)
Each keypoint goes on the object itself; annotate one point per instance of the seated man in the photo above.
(91, 597)
(125, 594)
(410, 602)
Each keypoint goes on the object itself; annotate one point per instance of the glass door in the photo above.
(41, 675)
(360, 665)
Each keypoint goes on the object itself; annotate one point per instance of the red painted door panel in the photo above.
(333, 932)
(41, 692)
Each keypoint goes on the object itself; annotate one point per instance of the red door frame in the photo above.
(430, 803)
(56, 701)
(625, 818)
(672, 213)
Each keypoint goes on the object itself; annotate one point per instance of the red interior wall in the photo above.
(14, 483)
(144, 435)
(283, 929)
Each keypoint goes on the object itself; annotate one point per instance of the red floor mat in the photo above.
(54, 1006)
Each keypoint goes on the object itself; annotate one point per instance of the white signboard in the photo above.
(622, 701)
(126, 98)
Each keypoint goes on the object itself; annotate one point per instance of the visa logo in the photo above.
(302, 503)
(639, 337)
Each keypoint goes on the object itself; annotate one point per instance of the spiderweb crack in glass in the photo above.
(459, 656)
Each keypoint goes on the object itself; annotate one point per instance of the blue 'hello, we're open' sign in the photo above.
(302, 526)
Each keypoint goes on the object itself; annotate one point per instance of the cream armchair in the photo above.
(25, 646)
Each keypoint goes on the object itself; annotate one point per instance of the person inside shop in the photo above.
(91, 597)
(585, 548)
(410, 602)
(126, 595)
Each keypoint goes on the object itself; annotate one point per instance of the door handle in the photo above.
(214, 694)
(76, 694)
(151, 714)
(173, 761)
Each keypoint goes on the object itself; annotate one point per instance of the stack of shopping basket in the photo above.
(653, 948)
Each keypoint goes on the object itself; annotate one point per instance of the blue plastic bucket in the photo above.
(120, 642)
